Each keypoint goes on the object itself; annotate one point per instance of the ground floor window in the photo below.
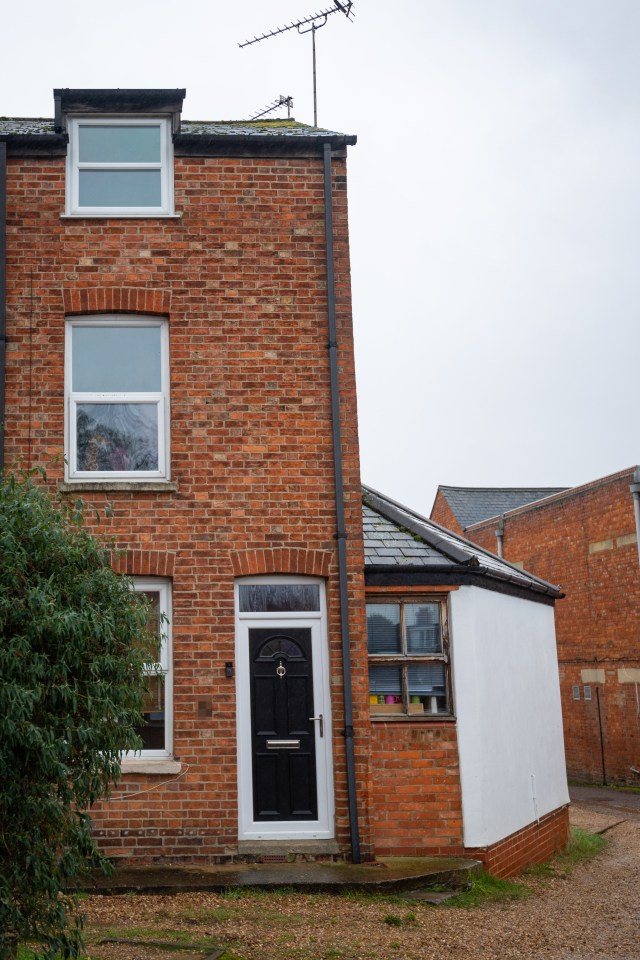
(408, 657)
(156, 731)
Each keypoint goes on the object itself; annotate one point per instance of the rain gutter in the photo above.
(341, 535)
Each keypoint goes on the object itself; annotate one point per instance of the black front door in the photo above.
(282, 728)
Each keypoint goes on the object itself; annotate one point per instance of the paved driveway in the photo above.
(604, 799)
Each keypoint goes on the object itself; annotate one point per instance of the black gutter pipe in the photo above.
(3, 292)
(341, 535)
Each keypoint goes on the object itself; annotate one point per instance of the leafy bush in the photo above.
(72, 639)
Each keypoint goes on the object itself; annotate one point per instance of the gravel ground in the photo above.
(593, 913)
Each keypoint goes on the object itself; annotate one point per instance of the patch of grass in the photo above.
(393, 920)
(153, 933)
(207, 914)
(362, 896)
(582, 846)
(232, 893)
(488, 889)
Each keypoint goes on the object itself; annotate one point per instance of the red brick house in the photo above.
(176, 302)
(586, 539)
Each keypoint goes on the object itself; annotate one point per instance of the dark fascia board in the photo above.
(388, 510)
(154, 101)
(36, 144)
(405, 576)
(225, 145)
(120, 101)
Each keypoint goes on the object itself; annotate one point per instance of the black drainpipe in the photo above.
(339, 490)
(3, 291)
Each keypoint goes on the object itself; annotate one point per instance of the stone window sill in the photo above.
(140, 765)
(137, 486)
(120, 216)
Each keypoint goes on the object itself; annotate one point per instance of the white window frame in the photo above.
(164, 667)
(160, 398)
(165, 165)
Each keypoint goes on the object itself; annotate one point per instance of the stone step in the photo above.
(385, 875)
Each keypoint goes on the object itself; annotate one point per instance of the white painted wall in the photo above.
(507, 700)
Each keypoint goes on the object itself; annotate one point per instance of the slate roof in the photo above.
(289, 129)
(396, 537)
(255, 128)
(473, 504)
(19, 125)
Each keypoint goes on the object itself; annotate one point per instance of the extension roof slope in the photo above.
(473, 504)
(400, 541)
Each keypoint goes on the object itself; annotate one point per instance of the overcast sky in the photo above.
(494, 204)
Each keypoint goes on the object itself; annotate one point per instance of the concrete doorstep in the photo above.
(386, 875)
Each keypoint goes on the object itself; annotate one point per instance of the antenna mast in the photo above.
(309, 25)
(282, 101)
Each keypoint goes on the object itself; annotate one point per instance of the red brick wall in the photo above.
(535, 843)
(585, 542)
(417, 803)
(416, 797)
(241, 276)
(443, 514)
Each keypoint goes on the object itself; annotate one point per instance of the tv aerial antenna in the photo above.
(282, 101)
(310, 24)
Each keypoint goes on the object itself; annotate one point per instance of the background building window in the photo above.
(120, 167)
(118, 398)
(156, 732)
(408, 662)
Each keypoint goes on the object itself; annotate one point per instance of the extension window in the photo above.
(117, 403)
(120, 167)
(408, 658)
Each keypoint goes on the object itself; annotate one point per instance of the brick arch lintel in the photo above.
(283, 560)
(116, 300)
(144, 563)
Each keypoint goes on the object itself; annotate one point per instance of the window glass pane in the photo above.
(383, 628)
(113, 144)
(280, 646)
(427, 688)
(386, 681)
(117, 359)
(422, 625)
(153, 729)
(117, 436)
(153, 622)
(120, 188)
(279, 598)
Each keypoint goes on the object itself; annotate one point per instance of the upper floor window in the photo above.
(117, 408)
(408, 658)
(119, 167)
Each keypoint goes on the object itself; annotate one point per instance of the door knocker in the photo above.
(281, 669)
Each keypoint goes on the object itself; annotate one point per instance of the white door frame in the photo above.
(324, 827)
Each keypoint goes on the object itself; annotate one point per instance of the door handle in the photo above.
(320, 718)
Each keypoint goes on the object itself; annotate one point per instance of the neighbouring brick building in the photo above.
(585, 539)
(179, 352)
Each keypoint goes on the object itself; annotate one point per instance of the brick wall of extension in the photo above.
(417, 803)
(585, 541)
(241, 276)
